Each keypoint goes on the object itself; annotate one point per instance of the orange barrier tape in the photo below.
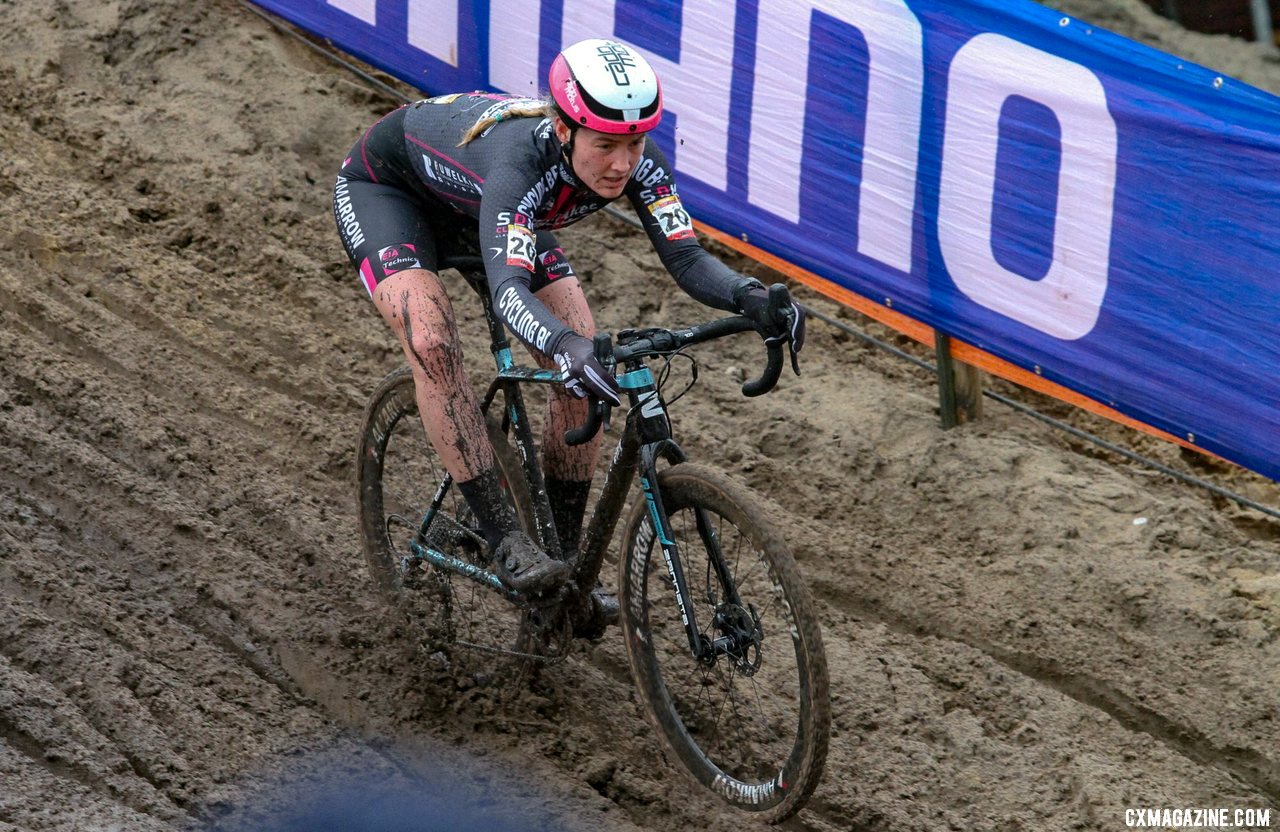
(924, 334)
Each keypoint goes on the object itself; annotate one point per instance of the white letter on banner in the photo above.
(696, 88)
(891, 140)
(513, 46)
(984, 73)
(366, 10)
(433, 28)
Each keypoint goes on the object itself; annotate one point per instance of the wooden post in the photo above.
(969, 384)
(946, 380)
(1262, 30)
(959, 386)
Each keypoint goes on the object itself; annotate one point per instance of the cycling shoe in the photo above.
(524, 567)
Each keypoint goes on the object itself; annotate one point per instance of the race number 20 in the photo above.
(672, 217)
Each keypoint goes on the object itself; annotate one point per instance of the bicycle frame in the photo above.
(684, 511)
(646, 440)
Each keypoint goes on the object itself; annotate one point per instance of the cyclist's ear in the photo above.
(563, 132)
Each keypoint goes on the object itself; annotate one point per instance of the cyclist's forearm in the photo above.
(526, 316)
(707, 280)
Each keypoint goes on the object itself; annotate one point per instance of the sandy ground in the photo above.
(1023, 632)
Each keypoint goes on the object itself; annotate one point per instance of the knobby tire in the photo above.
(758, 741)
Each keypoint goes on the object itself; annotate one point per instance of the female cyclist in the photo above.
(475, 169)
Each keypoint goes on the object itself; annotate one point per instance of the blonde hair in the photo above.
(517, 108)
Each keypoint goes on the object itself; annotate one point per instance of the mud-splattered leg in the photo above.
(416, 306)
(565, 300)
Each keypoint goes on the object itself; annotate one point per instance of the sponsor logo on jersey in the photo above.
(556, 264)
(566, 175)
(522, 322)
(648, 173)
(445, 176)
(506, 218)
(570, 215)
(537, 193)
(398, 258)
(352, 234)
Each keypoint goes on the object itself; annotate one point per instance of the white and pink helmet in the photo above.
(607, 87)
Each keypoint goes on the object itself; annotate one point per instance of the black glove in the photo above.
(583, 374)
(785, 324)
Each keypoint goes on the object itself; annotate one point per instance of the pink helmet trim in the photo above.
(580, 109)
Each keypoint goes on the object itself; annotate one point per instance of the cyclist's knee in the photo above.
(433, 348)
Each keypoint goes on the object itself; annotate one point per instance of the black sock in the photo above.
(568, 500)
(490, 507)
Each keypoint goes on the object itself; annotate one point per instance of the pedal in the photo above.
(605, 611)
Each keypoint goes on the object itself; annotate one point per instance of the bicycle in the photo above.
(723, 642)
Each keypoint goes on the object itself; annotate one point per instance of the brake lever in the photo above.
(779, 306)
(598, 413)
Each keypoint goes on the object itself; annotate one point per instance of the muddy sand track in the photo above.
(1023, 633)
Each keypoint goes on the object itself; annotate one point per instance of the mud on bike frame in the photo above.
(645, 441)
(743, 705)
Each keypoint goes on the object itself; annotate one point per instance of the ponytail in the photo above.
(515, 108)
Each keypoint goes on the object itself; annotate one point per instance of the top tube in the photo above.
(465, 263)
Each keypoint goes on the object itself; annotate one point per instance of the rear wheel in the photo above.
(398, 475)
(752, 723)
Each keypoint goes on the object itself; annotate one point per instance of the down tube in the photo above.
(613, 496)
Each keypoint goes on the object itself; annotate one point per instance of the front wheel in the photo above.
(752, 723)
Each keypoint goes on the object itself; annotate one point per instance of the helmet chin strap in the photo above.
(566, 151)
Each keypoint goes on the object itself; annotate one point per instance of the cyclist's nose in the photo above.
(620, 161)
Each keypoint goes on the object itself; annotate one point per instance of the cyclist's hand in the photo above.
(583, 374)
(785, 324)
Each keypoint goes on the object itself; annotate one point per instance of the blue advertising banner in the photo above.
(1094, 211)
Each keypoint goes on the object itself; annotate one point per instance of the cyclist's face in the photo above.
(603, 161)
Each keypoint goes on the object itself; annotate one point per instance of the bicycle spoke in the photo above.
(728, 710)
